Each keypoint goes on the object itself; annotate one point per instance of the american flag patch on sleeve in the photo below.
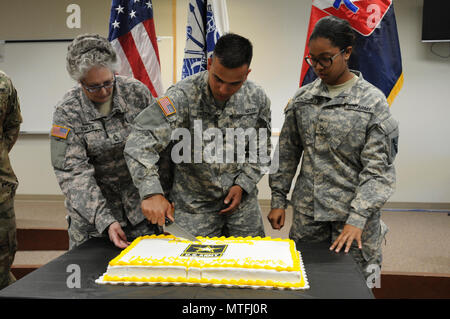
(60, 131)
(167, 106)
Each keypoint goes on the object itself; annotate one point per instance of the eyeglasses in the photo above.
(97, 88)
(325, 62)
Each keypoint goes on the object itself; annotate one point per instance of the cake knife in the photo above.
(176, 230)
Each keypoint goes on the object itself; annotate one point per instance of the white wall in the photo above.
(423, 109)
(278, 32)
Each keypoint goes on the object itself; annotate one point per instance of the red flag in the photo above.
(132, 34)
(377, 53)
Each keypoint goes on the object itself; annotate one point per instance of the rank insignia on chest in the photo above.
(167, 106)
(60, 131)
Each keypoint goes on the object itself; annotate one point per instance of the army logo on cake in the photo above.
(197, 250)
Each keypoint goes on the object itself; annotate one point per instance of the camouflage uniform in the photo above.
(10, 119)
(348, 144)
(200, 187)
(89, 163)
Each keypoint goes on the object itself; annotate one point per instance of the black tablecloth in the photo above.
(330, 276)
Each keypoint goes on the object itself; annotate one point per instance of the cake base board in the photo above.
(100, 281)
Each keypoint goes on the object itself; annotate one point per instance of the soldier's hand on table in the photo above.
(156, 208)
(276, 217)
(117, 235)
(347, 236)
(233, 199)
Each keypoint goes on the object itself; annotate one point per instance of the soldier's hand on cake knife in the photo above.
(276, 218)
(156, 208)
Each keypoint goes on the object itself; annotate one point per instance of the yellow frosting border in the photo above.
(192, 263)
(233, 282)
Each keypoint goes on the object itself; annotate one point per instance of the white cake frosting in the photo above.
(249, 261)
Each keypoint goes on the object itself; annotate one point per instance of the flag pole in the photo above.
(174, 35)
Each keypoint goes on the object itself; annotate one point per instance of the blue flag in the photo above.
(207, 21)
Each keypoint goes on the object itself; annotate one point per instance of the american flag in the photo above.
(60, 131)
(132, 34)
(167, 106)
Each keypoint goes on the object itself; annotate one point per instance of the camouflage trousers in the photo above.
(306, 229)
(243, 222)
(80, 231)
(8, 241)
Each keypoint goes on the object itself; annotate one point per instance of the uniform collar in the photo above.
(209, 104)
(319, 88)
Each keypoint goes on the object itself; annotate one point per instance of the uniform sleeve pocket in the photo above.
(390, 129)
(58, 152)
